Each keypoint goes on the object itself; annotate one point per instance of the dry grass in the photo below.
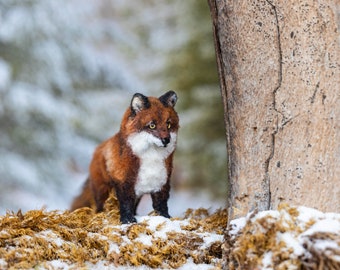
(33, 239)
(262, 236)
(82, 238)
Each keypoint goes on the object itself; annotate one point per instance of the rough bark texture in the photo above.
(279, 68)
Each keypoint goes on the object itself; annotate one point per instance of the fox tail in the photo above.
(85, 198)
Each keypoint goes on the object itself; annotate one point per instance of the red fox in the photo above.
(137, 160)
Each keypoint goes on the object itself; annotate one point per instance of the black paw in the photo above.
(128, 220)
(165, 214)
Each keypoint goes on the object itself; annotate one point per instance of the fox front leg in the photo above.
(160, 201)
(127, 199)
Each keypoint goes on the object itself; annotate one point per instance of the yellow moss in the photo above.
(201, 220)
(246, 250)
(160, 226)
(36, 237)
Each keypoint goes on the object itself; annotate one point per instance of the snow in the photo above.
(144, 239)
(267, 261)
(113, 248)
(55, 264)
(111, 266)
(291, 242)
(3, 263)
(324, 245)
(265, 214)
(211, 238)
(160, 228)
(165, 225)
(290, 238)
(310, 231)
(236, 225)
(325, 225)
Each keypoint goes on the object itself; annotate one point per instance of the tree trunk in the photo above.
(279, 73)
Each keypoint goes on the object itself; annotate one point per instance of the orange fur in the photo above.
(115, 165)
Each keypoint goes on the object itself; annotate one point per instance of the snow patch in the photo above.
(299, 232)
(326, 225)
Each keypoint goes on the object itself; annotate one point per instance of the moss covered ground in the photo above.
(40, 239)
(288, 238)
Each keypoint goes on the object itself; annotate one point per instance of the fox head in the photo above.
(151, 122)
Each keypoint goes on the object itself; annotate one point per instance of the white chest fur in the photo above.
(152, 174)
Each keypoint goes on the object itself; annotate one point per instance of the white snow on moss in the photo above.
(302, 232)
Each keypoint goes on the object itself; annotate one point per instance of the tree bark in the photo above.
(279, 65)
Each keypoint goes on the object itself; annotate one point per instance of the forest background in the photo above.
(68, 70)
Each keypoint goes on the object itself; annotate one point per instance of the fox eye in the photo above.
(152, 126)
(168, 125)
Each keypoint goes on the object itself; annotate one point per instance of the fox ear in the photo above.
(169, 99)
(139, 102)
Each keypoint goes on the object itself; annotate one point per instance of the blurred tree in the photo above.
(191, 70)
(65, 69)
(57, 82)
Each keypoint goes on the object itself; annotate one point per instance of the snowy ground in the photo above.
(81, 239)
(289, 238)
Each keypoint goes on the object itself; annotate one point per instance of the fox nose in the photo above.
(165, 141)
